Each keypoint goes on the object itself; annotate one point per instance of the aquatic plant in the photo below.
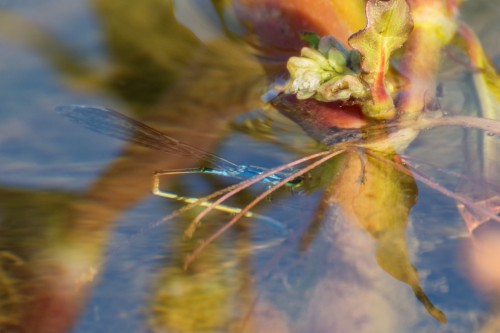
(368, 105)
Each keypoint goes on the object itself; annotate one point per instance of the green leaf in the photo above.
(323, 73)
(389, 24)
(310, 38)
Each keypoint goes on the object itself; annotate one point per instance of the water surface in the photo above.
(72, 196)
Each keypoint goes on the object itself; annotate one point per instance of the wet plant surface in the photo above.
(86, 247)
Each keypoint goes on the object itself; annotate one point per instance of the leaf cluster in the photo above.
(327, 71)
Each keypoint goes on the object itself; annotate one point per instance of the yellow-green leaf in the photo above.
(389, 24)
(378, 198)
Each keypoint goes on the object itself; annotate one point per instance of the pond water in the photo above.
(83, 244)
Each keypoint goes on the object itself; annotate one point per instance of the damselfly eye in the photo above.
(297, 181)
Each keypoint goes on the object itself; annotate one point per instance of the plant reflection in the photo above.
(163, 73)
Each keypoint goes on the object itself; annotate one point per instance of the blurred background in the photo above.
(80, 242)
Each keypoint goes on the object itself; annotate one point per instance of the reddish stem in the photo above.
(262, 196)
(243, 185)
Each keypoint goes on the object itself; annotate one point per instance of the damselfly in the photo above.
(114, 124)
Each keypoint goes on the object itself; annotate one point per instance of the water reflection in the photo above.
(337, 277)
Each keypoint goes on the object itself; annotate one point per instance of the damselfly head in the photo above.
(298, 181)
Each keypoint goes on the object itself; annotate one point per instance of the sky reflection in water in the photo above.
(55, 175)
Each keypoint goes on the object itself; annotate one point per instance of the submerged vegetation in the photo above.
(362, 82)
